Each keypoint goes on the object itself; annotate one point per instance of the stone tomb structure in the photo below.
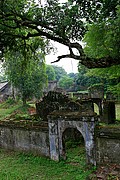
(63, 113)
(57, 114)
(59, 122)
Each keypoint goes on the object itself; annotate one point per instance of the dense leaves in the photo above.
(50, 73)
(103, 39)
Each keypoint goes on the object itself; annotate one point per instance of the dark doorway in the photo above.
(74, 147)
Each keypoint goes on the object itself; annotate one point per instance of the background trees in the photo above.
(103, 37)
(66, 82)
(59, 72)
(50, 73)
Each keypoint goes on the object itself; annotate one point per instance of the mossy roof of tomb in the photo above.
(77, 115)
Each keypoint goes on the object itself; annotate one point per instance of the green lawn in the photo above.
(15, 166)
(118, 111)
(6, 111)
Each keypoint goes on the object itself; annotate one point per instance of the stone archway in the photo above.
(85, 125)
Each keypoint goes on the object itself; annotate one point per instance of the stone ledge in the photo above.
(68, 115)
(27, 125)
(108, 132)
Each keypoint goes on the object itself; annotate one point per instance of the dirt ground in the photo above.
(107, 172)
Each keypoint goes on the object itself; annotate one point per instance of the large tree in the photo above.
(103, 40)
(26, 70)
(65, 23)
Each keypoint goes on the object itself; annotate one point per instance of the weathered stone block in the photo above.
(107, 145)
(21, 139)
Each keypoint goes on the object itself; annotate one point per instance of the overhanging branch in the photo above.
(45, 30)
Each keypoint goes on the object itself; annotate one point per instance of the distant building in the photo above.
(52, 85)
(5, 90)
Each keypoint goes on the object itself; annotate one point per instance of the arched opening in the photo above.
(73, 147)
(96, 109)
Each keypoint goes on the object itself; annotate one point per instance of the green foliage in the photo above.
(15, 110)
(65, 23)
(6, 109)
(103, 38)
(109, 75)
(71, 144)
(84, 80)
(66, 82)
(110, 72)
(96, 86)
(59, 72)
(114, 89)
(10, 101)
(50, 72)
(72, 75)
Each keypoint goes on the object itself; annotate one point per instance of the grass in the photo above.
(117, 106)
(6, 111)
(9, 108)
(20, 166)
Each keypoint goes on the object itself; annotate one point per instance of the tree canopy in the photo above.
(65, 23)
(103, 38)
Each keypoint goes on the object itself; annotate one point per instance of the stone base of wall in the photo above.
(33, 140)
(108, 145)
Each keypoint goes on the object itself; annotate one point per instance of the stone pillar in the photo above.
(109, 114)
(89, 128)
(54, 139)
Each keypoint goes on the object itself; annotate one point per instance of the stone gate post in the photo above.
(54, 139)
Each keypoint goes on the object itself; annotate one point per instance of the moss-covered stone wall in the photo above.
(34, 140)
(107, 144)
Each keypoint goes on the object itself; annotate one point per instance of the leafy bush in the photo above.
(10, 101)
